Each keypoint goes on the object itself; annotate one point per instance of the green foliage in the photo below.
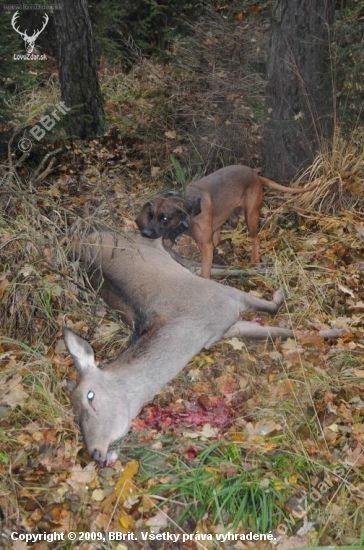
(122, 29)
(16, 77)
(179, 172)
(349, 29)
(331, 548)
(10, 70)
(217, 483)
(4, 458)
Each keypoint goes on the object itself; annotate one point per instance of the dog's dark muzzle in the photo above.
(150, 233)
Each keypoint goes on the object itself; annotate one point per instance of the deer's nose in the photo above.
(96, 455)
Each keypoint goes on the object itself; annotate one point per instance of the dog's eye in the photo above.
(150, 214)
(164, 219)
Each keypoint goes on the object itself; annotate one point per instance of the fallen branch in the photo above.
(37, 176)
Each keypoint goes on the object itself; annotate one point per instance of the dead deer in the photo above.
(174, 314)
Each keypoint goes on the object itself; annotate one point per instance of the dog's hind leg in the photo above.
(252, 222)
(252, 205)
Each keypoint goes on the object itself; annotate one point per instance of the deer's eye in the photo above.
(90, 395)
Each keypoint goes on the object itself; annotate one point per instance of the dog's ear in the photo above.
(194, 207)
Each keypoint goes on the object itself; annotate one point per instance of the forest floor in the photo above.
(249, 438)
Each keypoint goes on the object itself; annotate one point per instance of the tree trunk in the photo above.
(299, 96)
(77, 70)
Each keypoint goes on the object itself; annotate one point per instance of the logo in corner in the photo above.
(29, 40)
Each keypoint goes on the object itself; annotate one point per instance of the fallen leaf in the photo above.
(80, 477)
(158, 522)
(12, 391)
(123, 489)
(254, 9)
(4, 283)
(155, 171)
(334, 428)
(126, 521)
(355, 457)
(98, 495)
(226, 383)
(204, 401)
(207, 433)
(236, 343)
(263, 427)
(228, 469)
(358, 305)
(346, 290)
(179, 150)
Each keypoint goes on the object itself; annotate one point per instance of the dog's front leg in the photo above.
(207, 254)
(203, 238)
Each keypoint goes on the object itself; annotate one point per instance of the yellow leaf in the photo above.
(124, 487)
(269, 447)
(238, 437)
(334, 428)
(126, 522)
(4, 283)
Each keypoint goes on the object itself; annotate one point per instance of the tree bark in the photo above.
(299, 95)
(77, 70)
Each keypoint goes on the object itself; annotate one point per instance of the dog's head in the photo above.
(165, 216)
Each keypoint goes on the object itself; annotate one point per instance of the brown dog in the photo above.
(209, 203)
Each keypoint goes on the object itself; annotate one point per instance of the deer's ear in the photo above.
(81, 351)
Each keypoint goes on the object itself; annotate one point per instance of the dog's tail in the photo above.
(292, 190)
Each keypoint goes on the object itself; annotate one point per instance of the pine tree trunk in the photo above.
(77, 70)
(299, 96)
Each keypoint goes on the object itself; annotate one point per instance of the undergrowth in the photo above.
(337, 175)
(307, 393)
